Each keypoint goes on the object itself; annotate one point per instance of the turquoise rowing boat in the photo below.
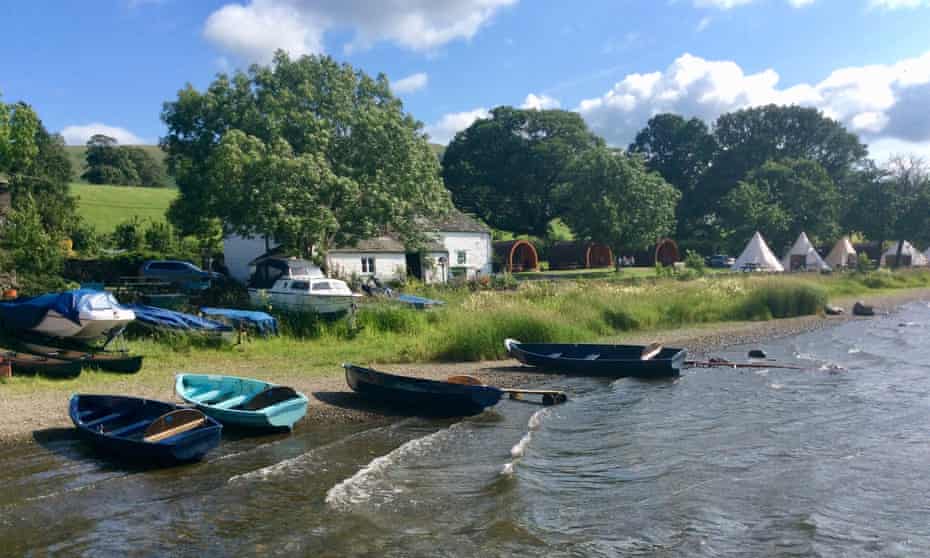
(244, 402)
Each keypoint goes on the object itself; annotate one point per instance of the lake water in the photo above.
(832, 460)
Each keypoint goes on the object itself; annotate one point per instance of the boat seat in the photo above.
(130, 428)
(594, 356)
(101, 420)
(554, 355)
(207, 395)
(231, 402)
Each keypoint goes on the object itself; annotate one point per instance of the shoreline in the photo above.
(332, 402)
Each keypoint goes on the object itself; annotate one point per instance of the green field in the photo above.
(104, 207)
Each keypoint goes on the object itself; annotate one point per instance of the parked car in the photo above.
(184, 274)
(721, 260)
(750, 267)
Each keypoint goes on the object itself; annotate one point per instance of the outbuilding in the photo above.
(580, 255)
(516, 256)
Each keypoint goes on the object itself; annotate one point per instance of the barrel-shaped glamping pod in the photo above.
(516, 255)
(580, 255)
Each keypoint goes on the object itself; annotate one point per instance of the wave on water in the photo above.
(299, 463)
(359, 488)
(519, 449)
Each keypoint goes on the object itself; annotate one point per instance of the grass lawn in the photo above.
(105, 206)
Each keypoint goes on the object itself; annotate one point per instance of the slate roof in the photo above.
(456, 221)
(384, 245)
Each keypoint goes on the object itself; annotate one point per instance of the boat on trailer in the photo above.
(81, 314)
(244, 402)
(144, 430)
(422, 396)
(640, 361)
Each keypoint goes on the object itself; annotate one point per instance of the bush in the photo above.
(694, 261)
(85, 239)
(160, 237)
(781, 299)
(128, 235)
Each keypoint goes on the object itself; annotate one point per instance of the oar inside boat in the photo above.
(172, 424)
(271, 396)
(549, 397)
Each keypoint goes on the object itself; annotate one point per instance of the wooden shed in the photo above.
(580, 255)
(664, 252)
(516, 255)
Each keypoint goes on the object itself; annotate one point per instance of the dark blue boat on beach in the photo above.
(638, 361)
(420, 396)
(144, 430)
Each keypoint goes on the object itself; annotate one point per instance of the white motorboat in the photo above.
(80, 314)
(317, 294)
(297, 285)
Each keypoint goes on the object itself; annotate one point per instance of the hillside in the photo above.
(105, 206)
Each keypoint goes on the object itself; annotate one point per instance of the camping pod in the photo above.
(580, 255)
(665, 253)
(910, 257)
(516, 255)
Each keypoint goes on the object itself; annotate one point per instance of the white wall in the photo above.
(388, 266)
(477, 247)
(238, 251)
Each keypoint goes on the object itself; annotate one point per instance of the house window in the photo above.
(461, 257)
(368, 265)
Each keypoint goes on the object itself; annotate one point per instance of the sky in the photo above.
(108, 66)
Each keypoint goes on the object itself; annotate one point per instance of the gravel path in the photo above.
(332, 401)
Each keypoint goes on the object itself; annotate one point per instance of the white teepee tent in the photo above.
(907, 252)
(843, 254)
(757, 252)
(802, 256)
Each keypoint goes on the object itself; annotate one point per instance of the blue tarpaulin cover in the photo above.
(26, 313)
(418, 301)
(264, 323)
(159, 317)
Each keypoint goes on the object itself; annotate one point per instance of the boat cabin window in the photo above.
(322, 286)
(300, 286)
(368, 265)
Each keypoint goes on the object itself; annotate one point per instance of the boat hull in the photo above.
(421, 396)
(35, 365)
(320, 304)
(110, 362)
(114, 426)
(214, 395)
(609, 360)
(90, 325)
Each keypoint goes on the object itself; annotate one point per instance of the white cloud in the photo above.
(896, 4)
(411, 83)
(540, 102)
(704, 23)
(879, 102)
(443, 130)
(256, 29)
(79, 134)
(801, 3)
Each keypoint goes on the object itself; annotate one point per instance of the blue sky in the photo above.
(108, 65)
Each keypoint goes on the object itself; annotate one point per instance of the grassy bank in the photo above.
(104, 206)
(473, 325)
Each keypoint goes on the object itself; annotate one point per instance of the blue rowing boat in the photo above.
(242, 401)
(144, 430)
(421, 396)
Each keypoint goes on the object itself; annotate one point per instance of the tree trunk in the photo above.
(897, 258)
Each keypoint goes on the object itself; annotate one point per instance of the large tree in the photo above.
(307, 150)
(681, 151)
(747, 139)
(614, 199)
(512, 169)
(783, 199)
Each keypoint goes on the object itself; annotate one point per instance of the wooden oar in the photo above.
(718, 363)
(549, 397)
(650, 351)
(173, 423)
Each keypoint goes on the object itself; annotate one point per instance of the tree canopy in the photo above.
(614, 199)
(110, 163)
(512, 169)
(307, 150)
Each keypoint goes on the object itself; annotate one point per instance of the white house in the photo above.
(459, 246)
